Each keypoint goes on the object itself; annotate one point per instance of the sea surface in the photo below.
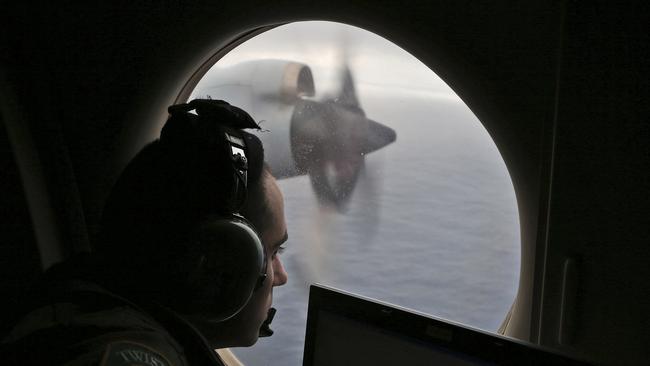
(432, 226)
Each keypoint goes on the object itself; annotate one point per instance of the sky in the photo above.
(374, 60)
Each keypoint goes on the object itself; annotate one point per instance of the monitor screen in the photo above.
(364, 344)
(346, 329)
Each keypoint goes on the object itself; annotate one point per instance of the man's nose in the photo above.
(280, 276)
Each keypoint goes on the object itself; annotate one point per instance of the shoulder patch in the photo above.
(132, 354)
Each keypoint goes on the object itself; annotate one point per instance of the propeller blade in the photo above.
(347, 97)
(378, 136)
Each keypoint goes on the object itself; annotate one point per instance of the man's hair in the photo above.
(256, 208)
(163, 193)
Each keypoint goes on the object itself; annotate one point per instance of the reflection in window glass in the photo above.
(393, 188)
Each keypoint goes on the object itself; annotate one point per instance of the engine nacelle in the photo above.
(268, 90)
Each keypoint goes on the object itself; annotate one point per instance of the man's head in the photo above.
(182, 184)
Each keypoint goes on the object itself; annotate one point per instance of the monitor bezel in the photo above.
(424, 328)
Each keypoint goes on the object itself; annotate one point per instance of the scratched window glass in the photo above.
(393, 188)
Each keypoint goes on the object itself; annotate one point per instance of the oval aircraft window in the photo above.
(393, 189)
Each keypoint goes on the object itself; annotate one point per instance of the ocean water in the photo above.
(432, 226)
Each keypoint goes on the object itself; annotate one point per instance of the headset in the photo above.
(226, 261)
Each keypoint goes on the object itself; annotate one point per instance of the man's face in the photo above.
(273, 235)
(243, 328)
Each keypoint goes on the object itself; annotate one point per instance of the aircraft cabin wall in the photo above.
(596, 290)
(557, 86)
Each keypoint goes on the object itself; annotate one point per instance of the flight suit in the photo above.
(81, 323)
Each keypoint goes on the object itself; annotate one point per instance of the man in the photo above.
(187, 260)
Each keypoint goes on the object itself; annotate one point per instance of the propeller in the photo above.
(331, 138)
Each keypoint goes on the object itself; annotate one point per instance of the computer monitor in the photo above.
(346, 329)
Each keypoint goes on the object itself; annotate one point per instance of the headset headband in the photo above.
(218, 119)
(239, 163)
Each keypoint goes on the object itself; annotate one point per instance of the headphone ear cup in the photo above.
(224, 265)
